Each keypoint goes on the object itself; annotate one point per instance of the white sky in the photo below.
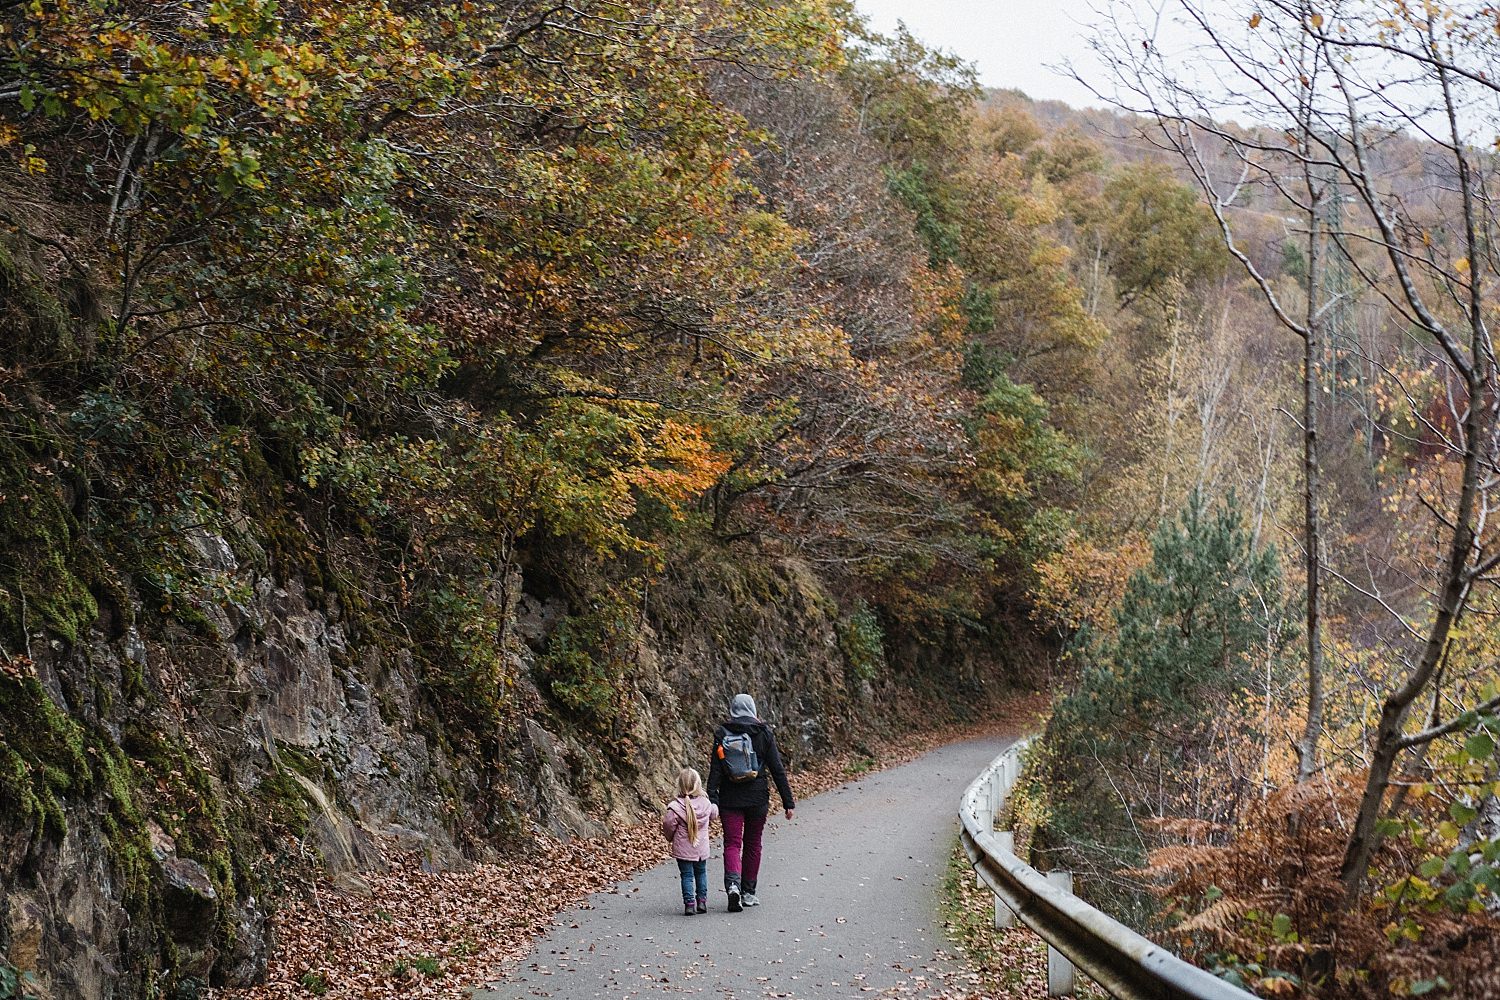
(1011, 42)
(1025, 43)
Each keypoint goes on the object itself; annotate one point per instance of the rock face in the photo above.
(183, 763)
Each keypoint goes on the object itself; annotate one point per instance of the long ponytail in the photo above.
(689, 787)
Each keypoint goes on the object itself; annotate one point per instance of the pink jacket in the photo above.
(674, 828)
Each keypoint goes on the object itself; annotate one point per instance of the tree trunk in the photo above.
(1173, 314)
(1312, 474)
(1478, 453)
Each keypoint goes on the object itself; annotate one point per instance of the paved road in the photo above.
(849, 904)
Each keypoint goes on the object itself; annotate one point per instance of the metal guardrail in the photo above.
(1124, 963)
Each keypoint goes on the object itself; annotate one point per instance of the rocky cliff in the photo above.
(168, 762)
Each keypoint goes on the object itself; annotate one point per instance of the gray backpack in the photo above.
(741, 762)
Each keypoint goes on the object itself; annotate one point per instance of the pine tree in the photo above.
(1195, 629)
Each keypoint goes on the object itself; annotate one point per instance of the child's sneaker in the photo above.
(734, 899)
(702, 904)
(689, 910)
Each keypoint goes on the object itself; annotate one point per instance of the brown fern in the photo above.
(1284, 859)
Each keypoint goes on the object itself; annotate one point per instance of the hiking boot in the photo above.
(702, 904)
(734, 899)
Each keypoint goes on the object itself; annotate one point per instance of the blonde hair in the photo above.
(689, 787)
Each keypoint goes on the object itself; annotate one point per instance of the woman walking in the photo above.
(743, 760)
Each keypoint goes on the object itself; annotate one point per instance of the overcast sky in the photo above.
(1012, 42)
(1024, 43)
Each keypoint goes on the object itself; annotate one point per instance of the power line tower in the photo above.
(1348, 368)
(1341, 348)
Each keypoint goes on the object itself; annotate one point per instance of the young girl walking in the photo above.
(685, 825)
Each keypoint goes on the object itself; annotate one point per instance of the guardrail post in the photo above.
(1061, 976)
(984, 799)
(1004, 915)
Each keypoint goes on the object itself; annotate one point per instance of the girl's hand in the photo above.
(789, 814)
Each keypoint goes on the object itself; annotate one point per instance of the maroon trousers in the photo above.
(743, 830)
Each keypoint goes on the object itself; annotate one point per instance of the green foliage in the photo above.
(315, 983)
(1460, 868)
(1294, 261)
(1158, 234)
(1191, 627)
(426, 965)
(913, 98)
(1031, 446)
(359, 301)
(941, 237)
(979, 317)
(1461, 880)
(862, 641)
(1247, 974)
(1023, 462)
(465, 656)
(587, 660)
(402, 298)
(984, 366)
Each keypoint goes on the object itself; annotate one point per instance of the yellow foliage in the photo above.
(1081, 583)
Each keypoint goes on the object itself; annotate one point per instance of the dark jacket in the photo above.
(753, 795)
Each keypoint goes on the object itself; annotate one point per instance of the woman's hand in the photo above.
(789, 813)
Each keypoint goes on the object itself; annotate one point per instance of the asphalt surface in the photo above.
(849, 897)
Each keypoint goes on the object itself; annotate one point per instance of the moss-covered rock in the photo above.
(33, 323)
(46, 569)
(53, 766)
(42, 757)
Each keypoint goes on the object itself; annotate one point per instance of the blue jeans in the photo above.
(693, 872)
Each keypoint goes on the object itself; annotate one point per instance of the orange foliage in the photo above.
(687, 465)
